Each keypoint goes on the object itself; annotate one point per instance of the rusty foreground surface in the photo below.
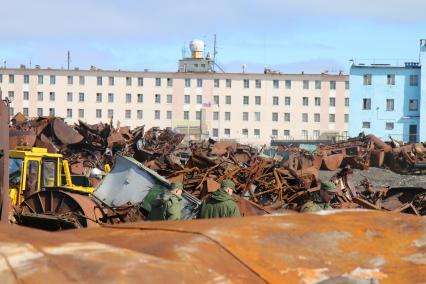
(345, 246)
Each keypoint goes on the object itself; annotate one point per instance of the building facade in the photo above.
(251, 108)
(386, 100)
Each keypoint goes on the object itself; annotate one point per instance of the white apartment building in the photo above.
(251, 108)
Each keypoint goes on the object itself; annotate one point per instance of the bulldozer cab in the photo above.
(32, 169)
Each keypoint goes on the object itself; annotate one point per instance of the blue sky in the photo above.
(286, 35)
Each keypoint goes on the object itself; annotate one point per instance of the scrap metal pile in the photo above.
(368, 150)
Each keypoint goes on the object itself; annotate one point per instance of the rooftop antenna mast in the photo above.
(184, 50)
(214, 55)
(68, 59)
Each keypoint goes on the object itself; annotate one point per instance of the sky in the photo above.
(290, 36)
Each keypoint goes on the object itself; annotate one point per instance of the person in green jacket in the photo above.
(220, 203)
(167, 206)
(322, 200)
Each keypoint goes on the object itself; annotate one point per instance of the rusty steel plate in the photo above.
(65, 133)
(21, 138)
(332, 162)
(327, 247)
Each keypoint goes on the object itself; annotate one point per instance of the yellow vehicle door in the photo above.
(31, 180)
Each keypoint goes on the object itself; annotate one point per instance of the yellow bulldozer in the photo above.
(32, 169)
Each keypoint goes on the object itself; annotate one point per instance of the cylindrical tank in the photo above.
(197, 48)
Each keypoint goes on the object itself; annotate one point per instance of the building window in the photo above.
(258, 83)
(305, 101)
(110, 113)
(304, 117)
(305, 84)
(413, 105)
(158, 82)
(305, 134)
(227, 132)
(228, 115)
(391, 79)
(286, 133)
(347, 85)
(11, 95)
(317, 117)
(244, 132)
(332, 102)
(187, 82)
(139, 114)
(129, 98)
(25, 111)
(39, 112)
(288, 84)
(414, 80)
(365, 124)
(69, 113)
(98, 97)
(1, 78)
(216, 83)
(70, 80)
(39, 96)
(157, 114)
(274, 133)
(169, 99)
(390, 104)
(317, 84)
(316, 134)
(245, 116)
(111, 81)
(332, 85)
(389, 125)
(332, 118)
(216, 115)
(246, 83)
(52, 79)
(26, 96)
(110, 97)
(199, 99)
(169, 115)
(81, 113)
(51, 112)
(287, 117)
(215, 132)
(257, 100)
(52, 96)
(366, 104)
(257, 133)
(26, 79)
(99, 80)
(81, 80)
(287, 101)
(198, 115)
(199, 83)
(169, 82)
(140, 81)
(98, 113)
(346, 102)
(367, 79)
(257, 116)
(276, 84)
(317, 101)
(228, 83)
(11, 78)
(157, 98)
(40, 79)
(81, 97)
(128, 81)
(127, 114)
(216, 100)
(69, 97)
(140, 98)
(228, 100)
(275, 101)
(275, 116)
(245, 100)
(187, 99)
(346, 118)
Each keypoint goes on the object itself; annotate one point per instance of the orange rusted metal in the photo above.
(338, 247)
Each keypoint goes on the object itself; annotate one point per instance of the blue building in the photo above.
(385, 100)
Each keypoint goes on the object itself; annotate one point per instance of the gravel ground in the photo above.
(379, 177)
